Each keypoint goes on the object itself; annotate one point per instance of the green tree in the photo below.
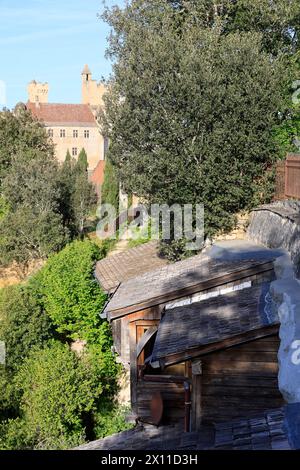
(64, 400)
(79, 197)
(110, 187)
(71, 295)
(68, 157)
(277, 20)
(83, 200)
(19, 134)
(83, 160)
(31, 226)
(191, 110)
(59, 390)
(24, 324)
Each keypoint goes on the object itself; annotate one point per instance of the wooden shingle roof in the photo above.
(263, 431)
(201, 324)
(177, 280)
(121, 267)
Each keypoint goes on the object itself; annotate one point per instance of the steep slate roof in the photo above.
(264, 431)
(113, 270)
(177, 280)
(57, 113)
(185, 328)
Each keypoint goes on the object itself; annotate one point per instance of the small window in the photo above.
(50, 132)
(62, 133)
(74, 152)
(75, 134)
(86, 134)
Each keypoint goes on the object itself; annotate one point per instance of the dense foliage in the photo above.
(24, 324)
(43, 205)
(195, 100)
(79, 198)
(110, 187)
(71, 295)
(50, 396)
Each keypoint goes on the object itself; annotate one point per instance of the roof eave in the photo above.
(199, 351)
(185, 291)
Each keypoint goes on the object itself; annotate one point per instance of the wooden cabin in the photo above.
(213, 314)
(226, 350)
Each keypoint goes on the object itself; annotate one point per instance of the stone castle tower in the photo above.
(91, 91)
(38, 92)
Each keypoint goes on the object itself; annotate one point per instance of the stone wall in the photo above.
(277, 225)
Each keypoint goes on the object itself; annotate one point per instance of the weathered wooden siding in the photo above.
(172, 395)
(240, 380)
(120, 326)
(120, 330)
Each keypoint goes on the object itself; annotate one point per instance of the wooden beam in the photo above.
(196, 395)
(133, 366)
(165, 378)
(144, 339)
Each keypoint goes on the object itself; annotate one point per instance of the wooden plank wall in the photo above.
(240, 380)
(172, 395)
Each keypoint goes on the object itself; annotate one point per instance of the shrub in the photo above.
(71, 295)
(24, 323)
(58, 391)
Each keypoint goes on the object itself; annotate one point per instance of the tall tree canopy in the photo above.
(192, 105)
(43, 204)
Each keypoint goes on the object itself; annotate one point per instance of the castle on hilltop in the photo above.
(73, 126)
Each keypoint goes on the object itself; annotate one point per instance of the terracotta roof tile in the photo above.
(97, 177)
(62, 113)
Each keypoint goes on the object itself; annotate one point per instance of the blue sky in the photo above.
(51, 40)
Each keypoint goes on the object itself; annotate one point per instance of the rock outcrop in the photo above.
(277, 225)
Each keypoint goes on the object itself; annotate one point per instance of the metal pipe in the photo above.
(187, 406)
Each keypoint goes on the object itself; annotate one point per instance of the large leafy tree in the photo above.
(71, 295)
(277, 20)
(50, 397)
(58, 391)
(42, 204)
(24, 324)
(20, 133)
(190, 109)
(79, 197)
(31, 225)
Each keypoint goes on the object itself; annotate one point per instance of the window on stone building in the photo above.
(74, 151)
(86, 134)
(62, 133)
(50, 132)
(75, 134)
